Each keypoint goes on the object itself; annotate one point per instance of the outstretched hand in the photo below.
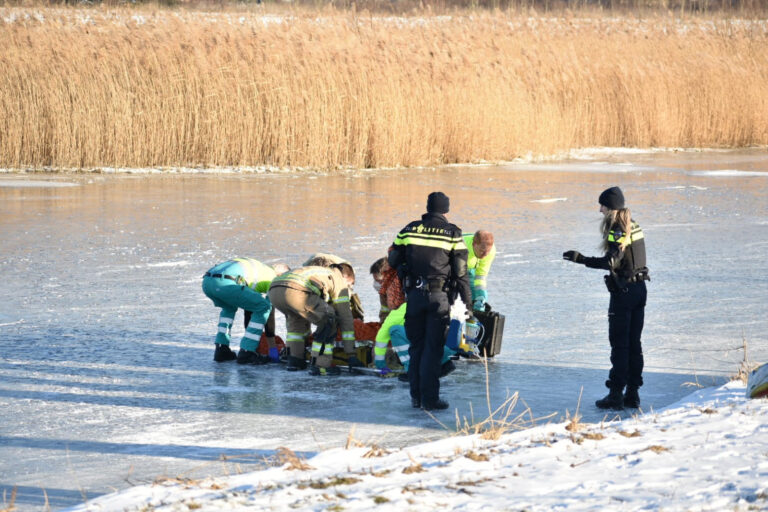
(574, 256)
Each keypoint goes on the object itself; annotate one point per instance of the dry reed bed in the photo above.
(348, 90)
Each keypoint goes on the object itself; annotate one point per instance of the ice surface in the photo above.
(107, 378)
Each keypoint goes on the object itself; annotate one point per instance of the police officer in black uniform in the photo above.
(624, 259)
(431, 259)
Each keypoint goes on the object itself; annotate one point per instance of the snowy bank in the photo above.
(707, 452)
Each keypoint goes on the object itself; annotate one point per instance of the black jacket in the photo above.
(433, 249)
(625, 263)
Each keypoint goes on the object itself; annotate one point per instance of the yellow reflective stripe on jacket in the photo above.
(637, 234)
(300, 277)
(348, 335)
(341, 300)
(431, 240)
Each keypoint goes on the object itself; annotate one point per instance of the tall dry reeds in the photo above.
(170, 89)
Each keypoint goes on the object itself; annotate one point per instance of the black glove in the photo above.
(574, 256)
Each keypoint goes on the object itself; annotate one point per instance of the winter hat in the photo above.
(437, 202)
(612, 198)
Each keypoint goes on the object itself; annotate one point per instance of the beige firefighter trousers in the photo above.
(302, 309)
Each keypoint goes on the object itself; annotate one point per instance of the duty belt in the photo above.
(643, 276)
(224, 276)
(433, 285)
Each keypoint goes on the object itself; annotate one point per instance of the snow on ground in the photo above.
(707, 452)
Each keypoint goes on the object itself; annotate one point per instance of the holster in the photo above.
(452, 290)
(615, 283)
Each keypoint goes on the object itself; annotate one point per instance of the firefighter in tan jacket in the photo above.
(316, 295)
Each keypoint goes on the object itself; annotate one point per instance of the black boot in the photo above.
(447, 368)
(613, 400)
(437, 405)
(631, 398)
(416, 403)
(223, 353)
(295, 364)
(251, 357)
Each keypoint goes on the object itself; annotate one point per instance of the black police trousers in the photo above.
(626, 315)
(426, 321)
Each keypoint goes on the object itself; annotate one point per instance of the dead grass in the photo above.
(573, 423)
(350, 89)
(9, 502)
(414, 468)
(286, 456)
(746, 366)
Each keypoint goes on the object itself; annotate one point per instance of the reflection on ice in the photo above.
(729, 173)
(552, 200)
(35, 184)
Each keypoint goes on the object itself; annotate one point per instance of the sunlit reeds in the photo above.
(166, 89)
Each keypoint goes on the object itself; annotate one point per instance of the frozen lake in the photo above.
(106, 371)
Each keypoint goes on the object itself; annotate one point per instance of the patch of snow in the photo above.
(705, 452)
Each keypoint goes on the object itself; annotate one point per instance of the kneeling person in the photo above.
(392, 332)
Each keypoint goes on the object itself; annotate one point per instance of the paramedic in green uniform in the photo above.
(482, 252)
(242, 283)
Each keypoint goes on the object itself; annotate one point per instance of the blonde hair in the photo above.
(620, 218)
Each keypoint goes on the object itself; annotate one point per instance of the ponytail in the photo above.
(621, 219)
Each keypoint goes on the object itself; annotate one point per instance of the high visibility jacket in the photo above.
(625, 263)
(481, 267)
(253, 273)
(383, 337)
(327, 283)
(432, 249)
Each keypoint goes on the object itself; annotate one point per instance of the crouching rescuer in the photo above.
(243, 283)
(320, 296)
(624, 259)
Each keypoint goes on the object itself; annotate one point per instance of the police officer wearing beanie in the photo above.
(431, 258)
(624, 259)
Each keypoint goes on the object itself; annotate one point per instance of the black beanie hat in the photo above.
(437, 202)
(612, 198)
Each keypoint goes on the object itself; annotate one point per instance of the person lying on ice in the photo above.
(320, 296)
(243, 283)
(393, 331)
(482, 252)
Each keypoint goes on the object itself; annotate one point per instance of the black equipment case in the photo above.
(493, 325)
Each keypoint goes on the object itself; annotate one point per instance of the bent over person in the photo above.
(482, 252)
(242, 283)
(431, 256)
(624, 259)
(320, 296)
